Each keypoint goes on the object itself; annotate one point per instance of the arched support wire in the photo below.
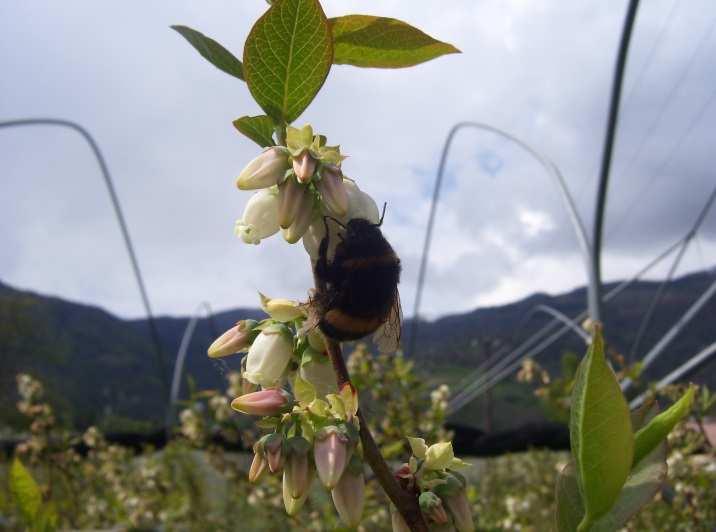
(181, 356)
(551, 169)
(153, 330)
(656, 300)
(506, 365)
(687, 368)
(505, 349)
(662, 344)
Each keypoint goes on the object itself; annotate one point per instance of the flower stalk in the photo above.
(406, 503)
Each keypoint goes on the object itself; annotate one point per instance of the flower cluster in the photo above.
(288, 380)
(431, 474)
(296, 184)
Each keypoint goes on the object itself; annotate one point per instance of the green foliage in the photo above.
(28, 498)
(602, 442)
(25, 492)
(381, 42)
(212, 51)
(287, 56)
(260, 129)
(600, 433)
(648, 437)
(289, 51)
(643, 482)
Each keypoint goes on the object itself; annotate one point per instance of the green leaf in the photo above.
(381, 42)
(287, 56)
(649, 436)
(570, 509)
(638, 491)
(258, 128)
(212, 51)
(303, 390)
(25, 491)
(600, 433)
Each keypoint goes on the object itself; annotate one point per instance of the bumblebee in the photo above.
(358, 290)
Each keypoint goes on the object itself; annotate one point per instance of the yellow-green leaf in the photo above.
(287, 56)
(439, 455)
(648, 437)
(303, 390)
(418, 446)
(382, 42)
(258, 128)
(639, 489)
(600, 433)
(25, 491)
(212, 51)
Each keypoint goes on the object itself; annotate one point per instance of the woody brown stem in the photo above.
(406, 503)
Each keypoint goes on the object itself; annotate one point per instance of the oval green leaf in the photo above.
(382, 42)
(287, 56)
(212, 51)
(638, 491)
(258, 128)
(600, 433)
(648, 437)
(25, 491)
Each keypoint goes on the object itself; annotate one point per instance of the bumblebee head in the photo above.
(358, 226)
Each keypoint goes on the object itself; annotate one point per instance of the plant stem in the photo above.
(406, 503)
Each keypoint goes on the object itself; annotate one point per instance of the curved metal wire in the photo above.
(551, 169)
(512, 361)
(558, 316)
(662, 344)
(607, 154)
(181, 356)
(693, 364)
(154, 332)
(662, 287)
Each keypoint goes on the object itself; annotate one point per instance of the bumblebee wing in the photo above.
(387, 336)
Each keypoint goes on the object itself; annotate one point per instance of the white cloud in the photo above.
(163, 119)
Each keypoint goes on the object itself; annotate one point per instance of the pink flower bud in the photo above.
(234, 340)
(302, 222)
(330, 451)
(304, 166)
(432, 507)
(291, 197)
(349, 497)
(293, 505)
(258, 465)
(262, 403)
(459, 507)
(296, 471)
(265, 170)
(333, 192)
(272, 447)
(404, 472)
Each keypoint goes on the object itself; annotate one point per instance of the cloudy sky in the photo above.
(162, 116)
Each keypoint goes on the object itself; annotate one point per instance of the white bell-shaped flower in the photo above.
(268, 356)
(260, 219)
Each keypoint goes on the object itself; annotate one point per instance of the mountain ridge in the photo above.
(100, 367)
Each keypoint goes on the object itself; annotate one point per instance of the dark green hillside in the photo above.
(102, 369)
